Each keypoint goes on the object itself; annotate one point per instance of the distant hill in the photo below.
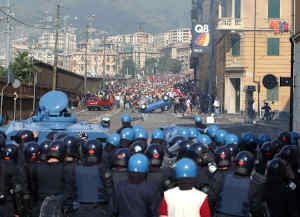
(116, 16)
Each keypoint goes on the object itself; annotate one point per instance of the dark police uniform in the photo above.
(51, 179)
(91, 193)
(10, 180)
(135, 200)
(234, 197)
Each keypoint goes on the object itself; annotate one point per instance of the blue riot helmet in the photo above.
(244, 162)
(185, 168)
(31, 152)
(223, 157)
(114, 139)
(212, 130)
(57, 150)
(10, 152)
(91, 152)
(126, 119)
(155, 154)
(294, 137)
(136, 128)
(72, 144)
(194, 133)
(127, 134)
(138, 163)
(248, 142)
(204, 139)
(183, 131)
(262, 138)
(198, 119)
(141, 134)
(220, 136)
(157, 134)
(231, 139)
(285, 138)
(44, 149)
(137, 147)
(120, 158)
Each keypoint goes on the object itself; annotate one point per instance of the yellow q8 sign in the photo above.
(199, 28)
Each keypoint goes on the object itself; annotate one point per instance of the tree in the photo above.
(3, 71)
(150, 65)
(128, 67)
(22, 67)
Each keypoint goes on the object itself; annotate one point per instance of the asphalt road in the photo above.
(155, 120)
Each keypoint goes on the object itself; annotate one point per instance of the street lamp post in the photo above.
(90, 18)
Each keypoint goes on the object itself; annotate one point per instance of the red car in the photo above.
(94, 103)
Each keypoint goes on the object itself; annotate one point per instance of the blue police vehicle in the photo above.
(54, 115)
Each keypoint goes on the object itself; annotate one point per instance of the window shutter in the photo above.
(274, 8)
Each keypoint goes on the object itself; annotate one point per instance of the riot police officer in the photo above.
(11, 184)
(220, 137)
(185, 199)
(126, 123)
(279, 195)
(138, 146)
(206, 168)
(212, 130)
(127, 137)
(141, 135)
(112, 143)
(157, 175)
(199, 124)
(49, 178)
(235, 197)
(135, 197)
(89, 175)
(158, 137)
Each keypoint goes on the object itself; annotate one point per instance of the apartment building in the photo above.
(252, 53)
(181, 52)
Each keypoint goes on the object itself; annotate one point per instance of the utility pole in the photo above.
(56, 46)
(212, 73)
(8, 42)
(86, 58)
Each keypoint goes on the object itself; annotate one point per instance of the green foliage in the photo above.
(167, 64)
(3, 71)
(150, 66)
(22, 67)
(129, 67)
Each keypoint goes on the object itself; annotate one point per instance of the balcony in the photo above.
(234, 63)
(228, 23)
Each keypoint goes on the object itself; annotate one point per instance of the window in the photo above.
(272, 94)
(273, 46)
(227, 8)
(274, 9)
(237, 9)
(236, 45)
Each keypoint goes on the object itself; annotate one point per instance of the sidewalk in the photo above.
(281, 124)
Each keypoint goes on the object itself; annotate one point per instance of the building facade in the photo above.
(255, 43)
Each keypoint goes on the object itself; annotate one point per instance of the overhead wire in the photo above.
(23, 23)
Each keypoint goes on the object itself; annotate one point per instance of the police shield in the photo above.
(51, 207)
